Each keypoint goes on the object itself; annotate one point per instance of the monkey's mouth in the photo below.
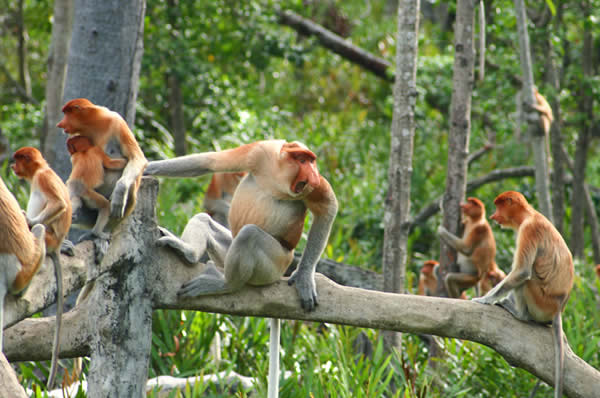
(300, 186)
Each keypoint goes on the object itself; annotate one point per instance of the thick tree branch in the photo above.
(338, 45)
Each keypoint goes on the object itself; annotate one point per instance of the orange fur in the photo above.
(546, 115)
(101, 125)
(541, 251)
(598, 270)
(494, 276)
(476, 249)
(15, 238)
(54, 196)
(428, 278)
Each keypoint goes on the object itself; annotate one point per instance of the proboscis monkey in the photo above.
(87, 174)
(108, 129)
(546, 116)
(491, 279)
(428, 278)
(219, 193)
(22, 251)
(267, 216)
(48, 204)
(476, 250)
(538, 286)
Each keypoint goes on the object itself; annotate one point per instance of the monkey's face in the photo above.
(299, 166)
(472, 210)
(25, 162)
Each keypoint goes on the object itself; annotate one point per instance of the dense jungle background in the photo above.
(217, 74)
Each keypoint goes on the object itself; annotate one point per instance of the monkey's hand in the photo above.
(118, 199)
(306, 287)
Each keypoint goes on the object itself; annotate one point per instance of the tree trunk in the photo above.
(535, 130)
(176, 117)
(24, 78)
(57, 68)
(582, 145)
(104, 63)
(397, 204)
(460, 130)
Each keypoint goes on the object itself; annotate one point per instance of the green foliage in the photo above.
(245, 77)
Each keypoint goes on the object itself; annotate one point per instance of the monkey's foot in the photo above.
(189, 253)
(67, 247)
(91, 235)
(210, 281)
(306, 288)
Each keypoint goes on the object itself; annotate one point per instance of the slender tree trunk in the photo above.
(535, 130)
(397, 204)
(24, 78)
(104, 63)
(175, 96)
(582, 145)
(57, 69)
(460, 130)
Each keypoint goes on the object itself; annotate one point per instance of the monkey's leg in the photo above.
(254, 258)
(96, 201)
(456, 282)
(9, 267)
(201, 234)
(516, 305)
(59, 311)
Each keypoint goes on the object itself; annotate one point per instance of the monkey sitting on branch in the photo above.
(538, 286)
(266, 217)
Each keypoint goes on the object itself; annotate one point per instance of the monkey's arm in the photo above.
(323, 204)
(113, 163)
(136, 163)
(522, 268)
(454, 241)
(55, 203)
(231, 160)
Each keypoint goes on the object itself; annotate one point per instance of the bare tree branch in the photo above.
(338, 45)
(495, 175)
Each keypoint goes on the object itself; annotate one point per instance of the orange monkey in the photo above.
(538, 286)
(48, 204)
(476, 250)
(87, 174)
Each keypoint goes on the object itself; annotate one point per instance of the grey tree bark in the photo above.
(397, 203)
(104, 63)
(460, 130)
(534, 131)
(577, 242)
(57, 70)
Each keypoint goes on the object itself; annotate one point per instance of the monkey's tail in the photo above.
(59, 311)
(559, 355)
(273, 389)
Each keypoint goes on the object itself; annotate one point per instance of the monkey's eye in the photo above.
(302, 160)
